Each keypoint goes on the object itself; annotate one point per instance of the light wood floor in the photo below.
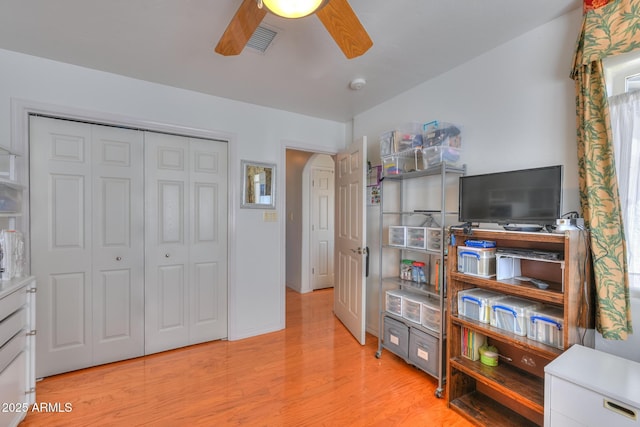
(313, 373)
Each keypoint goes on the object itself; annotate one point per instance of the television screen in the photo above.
(528, 196)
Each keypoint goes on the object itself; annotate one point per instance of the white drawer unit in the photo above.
(587, 387)
(398, 236)
(417, 237)
(17, 345)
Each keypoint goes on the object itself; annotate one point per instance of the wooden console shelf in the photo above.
(512, 393)
(486, 411)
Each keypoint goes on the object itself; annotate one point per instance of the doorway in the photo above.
(309, 220)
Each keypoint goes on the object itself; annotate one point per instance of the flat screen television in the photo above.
(527, 199)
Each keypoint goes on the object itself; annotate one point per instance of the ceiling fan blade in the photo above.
(241, 28)
(341, 22)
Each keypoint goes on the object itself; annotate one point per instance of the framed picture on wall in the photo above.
(258, 185)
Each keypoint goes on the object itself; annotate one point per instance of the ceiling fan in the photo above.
(337, 16)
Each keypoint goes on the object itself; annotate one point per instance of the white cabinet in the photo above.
(17, 345)
(587, 387)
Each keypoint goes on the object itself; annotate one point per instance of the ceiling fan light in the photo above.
(293, 8)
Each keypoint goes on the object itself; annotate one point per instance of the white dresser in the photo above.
(587, 387)
(17, 349)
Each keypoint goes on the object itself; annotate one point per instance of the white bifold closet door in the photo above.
(128, 238)
(186, 241)
(87, 247)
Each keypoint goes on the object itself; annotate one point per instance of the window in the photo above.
(623, 82)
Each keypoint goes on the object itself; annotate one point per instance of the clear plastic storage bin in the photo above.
(393, 301)
(477, 261)
(442, 142)
(546, 325)
(405, 137)
(417, 237)
(510, 314)
(402, 162)
(475, 303)
(433, 156)
(398, 235)
(439, 133)
(431, 316)
(434, 239)
(412, 307)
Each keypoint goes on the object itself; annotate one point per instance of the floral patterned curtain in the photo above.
(609, 29)
(595, 4)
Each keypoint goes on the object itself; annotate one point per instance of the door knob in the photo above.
(118, 258)
(166, 255)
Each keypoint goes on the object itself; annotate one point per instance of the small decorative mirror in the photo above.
(258, 185)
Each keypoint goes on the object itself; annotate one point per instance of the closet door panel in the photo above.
(166, 242)
(68, 311)
(117, 244)
(206, 293)
(67, 211)
(208, 250)
(171, 212)
(61, 258)
(114, 290)
(171, 294)
(205, 198)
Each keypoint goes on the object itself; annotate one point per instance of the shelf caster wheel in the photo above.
(439, 393)
(378, 354)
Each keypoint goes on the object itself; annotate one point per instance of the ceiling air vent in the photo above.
(261, 39)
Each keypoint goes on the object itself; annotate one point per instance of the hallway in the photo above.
(312, 373)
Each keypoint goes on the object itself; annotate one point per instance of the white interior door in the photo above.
(350, 239)
(322, 228)
(186, 241)
(61, 257)
(117, 244)
(166, 242)
(208, 249)
(84, 215)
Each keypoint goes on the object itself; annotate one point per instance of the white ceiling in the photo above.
(171, 42)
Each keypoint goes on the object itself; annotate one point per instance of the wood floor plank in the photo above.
(313, 373)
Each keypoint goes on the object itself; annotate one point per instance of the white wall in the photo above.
(257, 277)
(296, 161)
(515, 104)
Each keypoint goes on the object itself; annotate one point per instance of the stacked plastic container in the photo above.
(442, 142)
(546, 324)
(477, 258)
(476, 303)
(415, 237)
(416, 308)
(539, 322)
(510, 314)
(399, 149)
(416, 146)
